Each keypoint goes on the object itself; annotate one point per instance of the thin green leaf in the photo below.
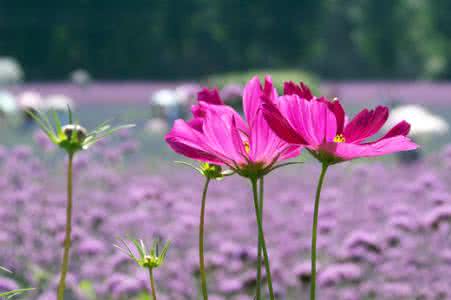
(103, 134)
(286, 164)
(5, 269)
(47, 121)
(165, 251)
(189, 165)
(14, 293)
(143, 247)
(139, 249)
(38, 119)
(59, 130)
(44, 127)
(228, 173)
(69, 111)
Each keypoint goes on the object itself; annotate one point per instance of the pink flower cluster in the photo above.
(276, 127)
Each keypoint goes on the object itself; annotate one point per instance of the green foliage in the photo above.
(144, 296)
(185, 39)
(279, 76)
(11, 294)
(87, 289)
(14, 293)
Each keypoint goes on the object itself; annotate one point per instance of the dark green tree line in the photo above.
(177, 39)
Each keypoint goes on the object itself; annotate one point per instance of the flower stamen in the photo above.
(339, 138)
(247, 147)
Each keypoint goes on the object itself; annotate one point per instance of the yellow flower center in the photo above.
(339, 138)
(247, 147)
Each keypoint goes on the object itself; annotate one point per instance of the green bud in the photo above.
(146, 259)
(211, 171)
(72, 137)
(80, 132)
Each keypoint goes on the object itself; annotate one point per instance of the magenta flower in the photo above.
(322, 127)
(217, 134)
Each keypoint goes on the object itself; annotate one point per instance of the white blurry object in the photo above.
(8, 104)
(164, 98)
(10, 71)
(187, 93)
(157, 126)
(80, 77)
(58, 102)
(30, 100)
(422, 121)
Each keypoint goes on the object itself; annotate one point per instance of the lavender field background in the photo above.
(385, 226)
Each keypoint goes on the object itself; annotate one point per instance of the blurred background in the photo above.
(386, 222)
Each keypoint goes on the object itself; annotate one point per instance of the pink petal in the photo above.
(252, 94)
(348, 151)
(402, 128)
(312, 120)
(187, 141)
(217, 131)
(279, 124)
(365, 124)
(202, 108)
(265, 146)
(303, 91)
(196, 124)
(210, 96)
(337, 109)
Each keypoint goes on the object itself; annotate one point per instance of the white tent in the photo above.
(423, 122)
(10, 71)
(8, 104)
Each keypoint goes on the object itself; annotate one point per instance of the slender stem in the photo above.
(259, 254)
(314, 230)
(152, 285)
(67, 238)
(262, 235)
(203, 277)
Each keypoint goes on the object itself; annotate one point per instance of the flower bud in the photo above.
(211, 171)
(80, 131)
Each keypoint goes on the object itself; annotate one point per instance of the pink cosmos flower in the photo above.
(322, 127)
(218, 134)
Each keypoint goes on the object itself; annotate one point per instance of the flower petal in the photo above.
(210, 96)
(252, 99)
(302, 90)
(312, 120)
(339, 112)
(365, 124)
(348, 151)
(279, 124)
(202, 108)
(187, 141)
(217, 130)
(402, 128)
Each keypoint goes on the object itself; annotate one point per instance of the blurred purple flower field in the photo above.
(385, 230)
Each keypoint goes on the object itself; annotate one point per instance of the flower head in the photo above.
(72, 137)
(219, 135)
(147, 259)
(322, 127)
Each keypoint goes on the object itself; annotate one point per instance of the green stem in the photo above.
(203, 277)
(259, 254)
(262, 235)
(315, 229)
(152, 285)
(67, 238)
